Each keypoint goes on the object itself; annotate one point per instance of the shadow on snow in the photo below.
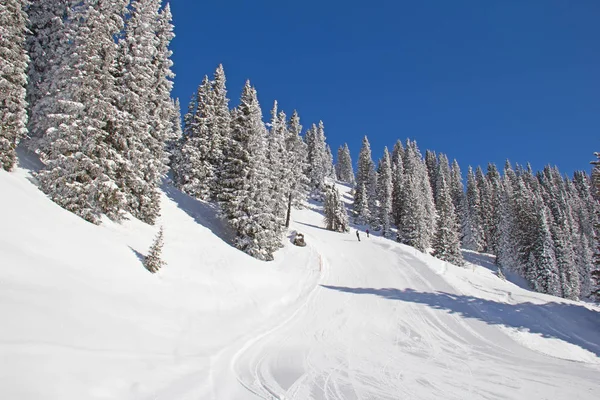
(568, 322)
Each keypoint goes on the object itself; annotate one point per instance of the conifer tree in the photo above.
(507, 241)
(13, 79)
(385, 192)
(473, 234)
(457, 192)
(336, 218)
(362, 214)
(317, 157)
(540, 269)
(397, 179)
(364, 181)
(153, 261)
(298, 158)
(494, 184)
(140, 175)
(161, 110)
(82, 161)
(51, 30)
(417, 214)
(278, 166)
(246, 187)
(431, 162)
(345, 171)
(596, 191)
(221, 125)
(446, 243)
(195, 171)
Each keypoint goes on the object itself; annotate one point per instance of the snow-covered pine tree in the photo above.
(82, 160)
(486, 208)
(345, 171)
(153, 261)
(384, 181)
(138, 49)
(195, 172)
(431, 162)
(596, 193)
(298, 160)
(397, 178)
(473, 234)
(582, 220)
(160, 112)
(495, 202)
(220, 127)
(362, 213)
(541, 270)
(446, 243)
(416, 218)
(457, 192)
(507, 257)
(336, 218)
(279, 166)
(317, 158)
(562, 231)
(51, 30)
(425, 194)
(329, 167)
(245, 197)
(364, 178)
(13, 79)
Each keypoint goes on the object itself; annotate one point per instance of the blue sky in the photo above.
(481, 81)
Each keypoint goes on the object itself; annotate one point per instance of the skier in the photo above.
(357, 235)
(367, 233)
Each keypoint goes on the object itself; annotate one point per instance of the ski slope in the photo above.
(338, 319)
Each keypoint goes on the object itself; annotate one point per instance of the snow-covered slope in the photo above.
(338, 319)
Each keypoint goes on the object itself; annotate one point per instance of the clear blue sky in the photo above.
(478, 80)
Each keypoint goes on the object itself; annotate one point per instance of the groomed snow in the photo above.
(338, 319)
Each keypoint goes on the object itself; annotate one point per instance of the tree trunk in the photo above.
(289, 211)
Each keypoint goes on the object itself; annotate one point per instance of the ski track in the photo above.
(385, 348)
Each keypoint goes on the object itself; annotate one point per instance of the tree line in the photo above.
(87, 85)
(540, 225)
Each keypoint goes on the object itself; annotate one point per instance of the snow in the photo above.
(337, 319)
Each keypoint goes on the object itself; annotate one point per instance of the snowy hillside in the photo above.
(338, 319)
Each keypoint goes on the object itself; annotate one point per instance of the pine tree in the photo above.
(139, 175)
(596, 191)
(362, 213)
(153, 261)
(431, 162)
(541, 270)
(298, 160)
(495, 204)
(417, 215)
(318, 159)
(364, 182)
(507, 244)
(345, 171)
(246, 197)
(397, 180)
(13, 79)
(278, 166)
(160, 112)
(195, 171)
(81, 156)
(221, 125)
(385, 192)
(336, 218)
(457, 192)
(51, 31)
(446, 243)
(473, 234)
